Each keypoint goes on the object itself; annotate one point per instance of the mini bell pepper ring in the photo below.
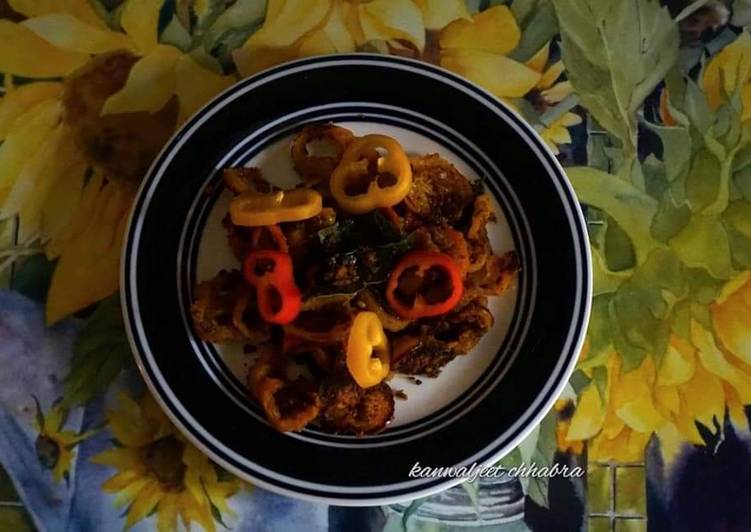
(254, 209)
(424, 284)
(356, 164)
(270, 272)
(367, 338)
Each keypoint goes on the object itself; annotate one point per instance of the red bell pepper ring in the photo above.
(270, 272)
(432, 280)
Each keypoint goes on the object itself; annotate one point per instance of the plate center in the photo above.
(430, 395)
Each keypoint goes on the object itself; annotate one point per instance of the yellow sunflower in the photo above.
(55, 446)
(159, 472)
(694, 382)
(478, 48)
(120, 97)
(300, 28)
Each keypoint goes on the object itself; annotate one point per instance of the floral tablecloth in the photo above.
(647, 105)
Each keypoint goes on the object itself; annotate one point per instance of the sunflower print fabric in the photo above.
(646, 103)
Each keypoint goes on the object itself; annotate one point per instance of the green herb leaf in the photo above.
(100, 353)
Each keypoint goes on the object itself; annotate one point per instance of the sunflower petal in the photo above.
(146, 500)
(291, 21)
(167, 514)
(24, 53)
(277, 41)
(677, 365)
(558, 92)
(66, 32)
(332, 38)
(667, 398)
(494, 30)
(150, 85)
(32, 186)
(392, 19)
(483, 68)
(438, 14)
(196, 85)
(81, 9)
(730, 317)
(715, 361)
(728, 68)
(23, 141)
(140, 21)
(702, 399)
(551, 75)
(62, 200)
(538, 61)
(17, 101)
(88, 269)
(589, 415)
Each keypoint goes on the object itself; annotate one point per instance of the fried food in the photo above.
(400, 289)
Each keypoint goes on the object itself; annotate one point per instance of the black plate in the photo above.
(523, 370)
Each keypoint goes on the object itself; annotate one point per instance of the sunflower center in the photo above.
(164, 458)
(48, 451)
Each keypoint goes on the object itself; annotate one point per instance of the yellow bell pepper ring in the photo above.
(366, 339)
(355, 190)
(254, 209)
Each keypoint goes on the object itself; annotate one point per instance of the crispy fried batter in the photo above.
(445, 239)
(497, 273)
(242, 179)
(347, 408)
(224, 311)
(478, 242)
(319, 167)
(439, 192)
(120, 146)
(289, 405)
(426, 349)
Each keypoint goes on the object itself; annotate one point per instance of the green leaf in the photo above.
(538, 23)
(599, 332)
(742, 180)
(703, 180)
(600, 378)
(618, 250)
(512, 459)
(631, 208)
(738, 215)
(741, 13)
(703, 243)
(670, 218)
(100, 353)
(616, 52)
(537, 487)
(233, 27)
(176, 35)
(676, 148)
(604, 279)
(579, 381)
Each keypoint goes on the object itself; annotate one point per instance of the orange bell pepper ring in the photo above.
(367, 338)
(254, 209)
(365, 180)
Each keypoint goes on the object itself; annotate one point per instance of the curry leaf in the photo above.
(100, 352)
(616, 52)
